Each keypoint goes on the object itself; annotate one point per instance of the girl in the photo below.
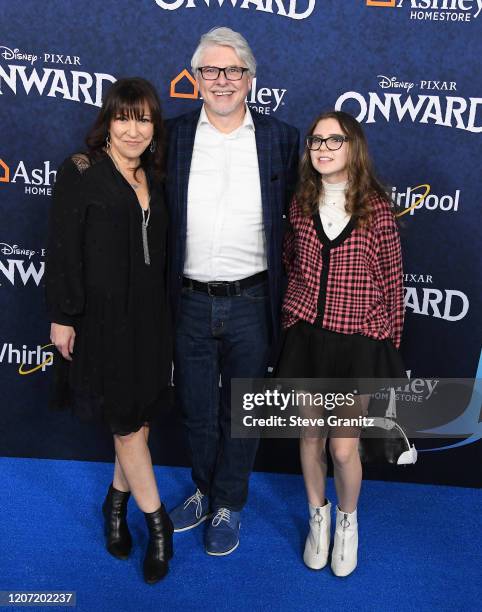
(343, 310)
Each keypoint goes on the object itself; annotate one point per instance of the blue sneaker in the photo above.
(190, 513)
(222, 533)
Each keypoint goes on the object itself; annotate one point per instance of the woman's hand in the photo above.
(63, 336)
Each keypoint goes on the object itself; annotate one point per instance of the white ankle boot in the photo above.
(318, 540)
(345, 546)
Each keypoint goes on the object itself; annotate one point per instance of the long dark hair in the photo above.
(128, 97)
(362, 182)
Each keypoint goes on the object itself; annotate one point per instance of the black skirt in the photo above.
(310, 351)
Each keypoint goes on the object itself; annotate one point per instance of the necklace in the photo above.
(133, 185)
(146, 214)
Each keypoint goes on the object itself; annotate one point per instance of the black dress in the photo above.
(98, 282)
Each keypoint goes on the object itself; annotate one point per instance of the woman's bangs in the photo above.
(132, 106)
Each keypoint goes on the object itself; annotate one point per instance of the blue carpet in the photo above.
(420, 546)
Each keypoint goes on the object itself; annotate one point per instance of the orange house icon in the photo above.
(6, 172)
(185, 74)
(388, 3)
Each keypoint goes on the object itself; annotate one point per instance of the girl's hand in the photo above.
(63, 336)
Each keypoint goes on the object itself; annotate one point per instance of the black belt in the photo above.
(225, 288)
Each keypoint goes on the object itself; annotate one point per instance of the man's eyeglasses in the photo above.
(333, 143)
(231, 73)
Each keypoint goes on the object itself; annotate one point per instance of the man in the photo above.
(229, 179)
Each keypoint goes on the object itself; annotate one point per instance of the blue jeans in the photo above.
(227, 337)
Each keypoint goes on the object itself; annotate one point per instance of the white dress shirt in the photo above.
(225, 232)
(332, 209)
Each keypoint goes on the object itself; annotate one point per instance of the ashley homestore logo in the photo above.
(36, 181)
(435, 10)
(262, 99)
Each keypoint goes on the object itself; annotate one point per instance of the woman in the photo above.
(343, 311)
(106, 295)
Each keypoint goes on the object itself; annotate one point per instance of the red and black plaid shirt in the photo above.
(352, 283)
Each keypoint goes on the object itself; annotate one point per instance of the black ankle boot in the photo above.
(159, 549)
(118, 539)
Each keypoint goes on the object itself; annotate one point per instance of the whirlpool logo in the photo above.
(29, 360)
(412, 199)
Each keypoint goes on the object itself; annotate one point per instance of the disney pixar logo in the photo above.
(450, 111)
(19, 75)
(47, 58)
(20, 265)
(435, 10)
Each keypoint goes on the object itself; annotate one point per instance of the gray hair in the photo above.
(225, 37)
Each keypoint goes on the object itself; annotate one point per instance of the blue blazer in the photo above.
(277, 144)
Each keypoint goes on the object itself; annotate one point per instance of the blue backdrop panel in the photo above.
(408, 69)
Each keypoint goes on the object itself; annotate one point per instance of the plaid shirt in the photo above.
(352, 283)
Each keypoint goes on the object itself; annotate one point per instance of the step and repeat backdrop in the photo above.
(409, 70)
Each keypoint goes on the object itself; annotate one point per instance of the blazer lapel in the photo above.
(185, 144)
(263, 148)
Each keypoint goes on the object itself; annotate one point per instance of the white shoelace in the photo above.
(196, 499)
(223, 514)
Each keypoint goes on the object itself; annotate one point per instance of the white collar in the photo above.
(335, 188)
(247, 121)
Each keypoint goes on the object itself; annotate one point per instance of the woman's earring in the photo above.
(107, 141)
(152, 146)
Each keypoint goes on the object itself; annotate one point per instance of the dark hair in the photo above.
(362, 182)
(128, 97)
